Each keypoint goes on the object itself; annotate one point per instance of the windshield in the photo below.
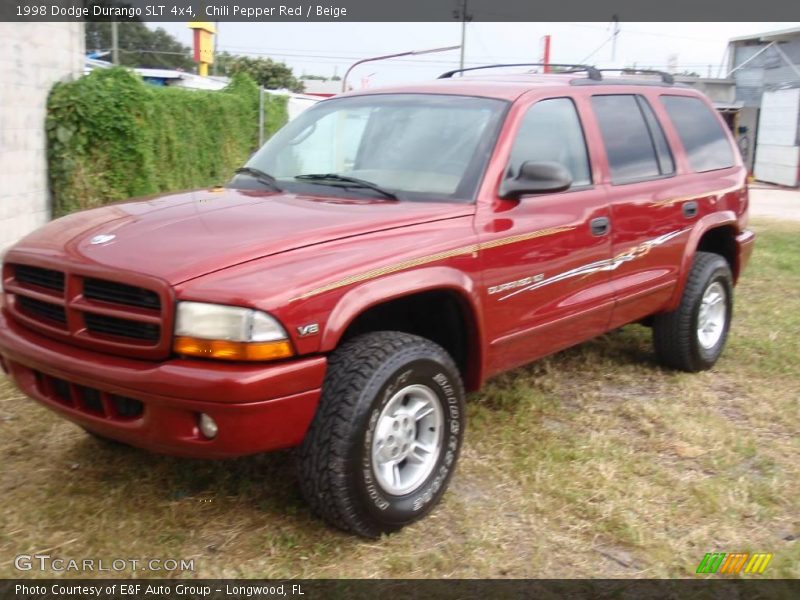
(413, 146)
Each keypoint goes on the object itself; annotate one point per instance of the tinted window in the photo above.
(701, 133)
(664, 156)
(418, 146)
(636, 151)
(551, 131)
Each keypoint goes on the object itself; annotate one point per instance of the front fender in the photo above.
(711, 221)
(372, 293)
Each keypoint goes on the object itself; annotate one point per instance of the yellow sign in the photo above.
(203, 45)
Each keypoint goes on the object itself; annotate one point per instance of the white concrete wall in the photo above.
(33, 56)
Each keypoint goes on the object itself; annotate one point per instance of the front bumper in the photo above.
(256, 407)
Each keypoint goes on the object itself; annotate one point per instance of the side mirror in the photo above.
(536, 178)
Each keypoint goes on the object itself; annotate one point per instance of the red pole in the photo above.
(546, 56)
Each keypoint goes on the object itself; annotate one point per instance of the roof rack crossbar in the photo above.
(665, 77)
(591, 72)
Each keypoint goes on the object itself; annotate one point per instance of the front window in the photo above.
(551, 131)
(415, 146)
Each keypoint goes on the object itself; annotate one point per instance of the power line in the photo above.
(649, 33)
(596, 50)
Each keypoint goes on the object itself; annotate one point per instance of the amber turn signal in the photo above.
(225, 350)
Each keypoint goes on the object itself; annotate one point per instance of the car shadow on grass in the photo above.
(260, 488)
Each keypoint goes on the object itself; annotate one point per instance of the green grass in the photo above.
(591, 463)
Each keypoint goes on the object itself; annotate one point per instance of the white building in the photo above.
(33, 56)
(766, 69)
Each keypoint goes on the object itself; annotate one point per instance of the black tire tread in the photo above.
(322, 457)
(673, 331)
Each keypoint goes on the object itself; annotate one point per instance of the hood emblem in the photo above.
(102, 238)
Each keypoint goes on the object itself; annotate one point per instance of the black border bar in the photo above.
(398, 589)
(277, 11)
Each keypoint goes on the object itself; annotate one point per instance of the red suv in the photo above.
(382, 254)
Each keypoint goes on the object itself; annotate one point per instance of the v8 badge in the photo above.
(306, 330)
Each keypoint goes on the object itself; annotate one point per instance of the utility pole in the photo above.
(115, 42)
(216, 39)
(615, 25)
(461, 13)
(546, 53)
(114, 39)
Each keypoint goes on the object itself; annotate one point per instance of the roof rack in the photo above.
(665, 77)
(591, 72)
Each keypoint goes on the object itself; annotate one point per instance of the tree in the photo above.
(266, 72)
(140, 46)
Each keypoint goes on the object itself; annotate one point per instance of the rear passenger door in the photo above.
(647, 231)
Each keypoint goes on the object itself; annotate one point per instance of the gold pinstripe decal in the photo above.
(424, 260)
(524, 237)
(671, 201)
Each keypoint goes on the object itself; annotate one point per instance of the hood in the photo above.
(182, 236)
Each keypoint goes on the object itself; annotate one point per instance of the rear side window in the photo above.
(706, 144)
(663, 155)
(551, 131)
(635, 144)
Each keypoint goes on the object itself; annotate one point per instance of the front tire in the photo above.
(386, 436)
(691, 338)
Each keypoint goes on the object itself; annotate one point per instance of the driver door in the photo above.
(545, 256)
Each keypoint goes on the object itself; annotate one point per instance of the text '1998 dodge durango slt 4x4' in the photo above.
(380, 255)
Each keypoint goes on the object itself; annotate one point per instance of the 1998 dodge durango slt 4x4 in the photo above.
(381, 254)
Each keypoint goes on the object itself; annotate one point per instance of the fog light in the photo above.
(208, 426)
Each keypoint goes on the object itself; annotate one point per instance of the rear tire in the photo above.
(691, 338)
(386, 436)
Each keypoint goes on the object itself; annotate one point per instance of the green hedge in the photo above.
(111, 136)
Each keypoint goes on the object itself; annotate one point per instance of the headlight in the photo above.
(228, 332)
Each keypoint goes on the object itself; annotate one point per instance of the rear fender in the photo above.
(712, 221)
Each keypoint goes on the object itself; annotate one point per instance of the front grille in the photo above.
(132, 319)
(51, 313)
(46, 278)
(88, 400)
(122, 327)
(120, 293)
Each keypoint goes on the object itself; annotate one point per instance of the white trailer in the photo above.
(778, 142)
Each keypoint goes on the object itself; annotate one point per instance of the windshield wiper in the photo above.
(354, 181)
(260, 176)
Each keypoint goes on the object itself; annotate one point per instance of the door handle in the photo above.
(690, 209)
(600, 226)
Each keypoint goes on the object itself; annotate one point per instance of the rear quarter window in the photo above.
(707, 147)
